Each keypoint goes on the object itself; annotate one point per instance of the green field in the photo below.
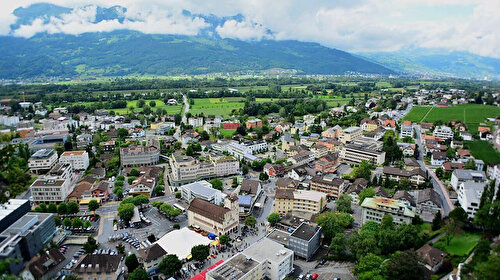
(159, 104)
(227, 132)
(470, 114)
(484, 151)
(216, 106)
(461, 245)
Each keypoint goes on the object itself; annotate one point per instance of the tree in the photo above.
(459, 215)
(77, 222)
(141, 103)
(333, 223)
(224, 239)
(452, 228)
(489, 269)
(170, 265)
(152, 103)
(263, 176)
(140, 200)
(131, 179)
(126, 211)
(73, 207)
(52, 208)
(250, 221)
(364, 170)
(62, 208)
(93, 205)
(338, 245)
(367, 266)
(121, 248)
(471, 164)
(405, 265)
(217, 184)
(90, 246)
(138, 274)
(67, 222)
(200, 252)
(122, 133)
(437, 221)
(131, 262)
(439, 172)
(273, 218)
(368, 192)
(87, 224)
(134, 172)
(344, 203)
(244, 169)
(178, 195)
(404, 184)
(158, 190)
(387, 222)
(235, 182)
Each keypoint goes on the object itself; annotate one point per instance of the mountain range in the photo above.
(127, 52)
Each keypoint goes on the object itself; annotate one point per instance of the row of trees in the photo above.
(62, 208)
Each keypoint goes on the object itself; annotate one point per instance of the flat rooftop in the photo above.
(234, 268)
(267, 249)
(305, 232)
(279, 236)
(10, 206)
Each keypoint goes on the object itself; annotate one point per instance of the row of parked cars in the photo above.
(90, 229)
(105, 252)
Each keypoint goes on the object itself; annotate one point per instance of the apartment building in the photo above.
(150, 257)
(239, 150)
(42, 160)
(443, 132)
(254, 123)
(203, 190)
(328, 184)
(350, 134)
(265, 259)
(288, 200)
(368, 124)
(459, 176)
(79, 160)
(147, 154)
(186, 169)
(469, 196)
(374, 208)
(415, 176)
(214, 218)
(304, 240)
(55, 186)
(100, 266)
(356, 153)
(225, 166)
(195, 121)
(406, 129)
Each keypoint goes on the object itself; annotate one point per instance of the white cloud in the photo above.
(243, 30)
(351, 25)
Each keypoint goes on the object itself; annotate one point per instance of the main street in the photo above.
(438, 186)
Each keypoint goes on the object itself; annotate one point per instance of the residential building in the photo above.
(42, 160)
(431, 257)
(274, 169)
(250, 191)
(443, 132)
(225, 166)
(328, 184)
(79, 160)
(83, 140)
(186, 169)
(467, 136)
(150, 257)
(459, 176)
(230, 125)
(327, 163)
(108, 146)
(332, 132)
(438, 158)
(428, 202)
(265, 259)
(416, 176)
(356, 153)
(147, 154)
(350, 134)
(287, 141)
(99, 266)
(24, 238)
(40, 266)
(55, 186)
(368, 124)
(469, 196)
(212, 217)
(406, 129)
(302, 157)
(203, 190)
(374, 208)
(254, 123)
(240, 150)
(304, 240)
(288, 200)
(195, 121)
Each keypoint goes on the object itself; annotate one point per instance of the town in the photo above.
(340, 178)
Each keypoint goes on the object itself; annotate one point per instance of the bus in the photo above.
(176, 205)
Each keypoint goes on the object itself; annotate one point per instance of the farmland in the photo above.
(159, 104)
(216, 106)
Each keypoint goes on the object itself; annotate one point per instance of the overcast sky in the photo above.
(351, 25)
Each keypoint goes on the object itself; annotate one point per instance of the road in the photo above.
(439, 187)
(177, 134)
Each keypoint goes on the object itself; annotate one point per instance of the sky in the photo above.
(350, 25)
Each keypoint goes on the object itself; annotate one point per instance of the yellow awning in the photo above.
(87, 200)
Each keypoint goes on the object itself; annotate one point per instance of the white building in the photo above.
(55, 186)
(464, 175)
(443, 132)
(79, 160)
(9, 120)
(355, 153)
(469, 195)
(239, 150)
(225, 166)
(41, 160)
(265, 259)
(374, 209)
(195, 121)
(406, 130)
(203, 190)
(350, 134)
